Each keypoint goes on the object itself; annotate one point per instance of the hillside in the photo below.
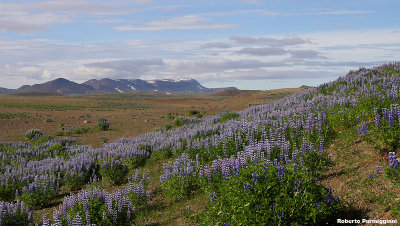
(58, 86)
(315, 156)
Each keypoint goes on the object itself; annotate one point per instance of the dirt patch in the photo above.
(355, 180)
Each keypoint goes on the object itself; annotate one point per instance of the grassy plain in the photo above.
(129, 114)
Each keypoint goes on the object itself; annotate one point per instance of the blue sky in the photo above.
(250, 44)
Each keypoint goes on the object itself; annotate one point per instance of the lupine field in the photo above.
(259, 166)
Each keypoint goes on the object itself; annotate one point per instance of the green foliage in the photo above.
(102, 124)
(178, 188)
(104, 139)
(76, 181)
(255, 196)
(17, 219)
(393, 174)
(134, 162)
(30, 134)
(179, 121)
(193, 112)
(97, 207)
(38, 199)
(162, 154)
(79, 130)
(7, 192)
(228, 116)
(72, 130)
(19, 115)
(115, 172)
(47, 118)
(170, 117)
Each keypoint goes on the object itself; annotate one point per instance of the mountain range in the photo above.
(106, 85)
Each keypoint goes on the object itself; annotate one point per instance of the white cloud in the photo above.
(217, 45)
(22, 21)
(325, 54)
(144, 1)
(39, 15)
(252, 1)
(188, 22)
(62, 6)
(265, 51)
(344, 12)
(269, 41)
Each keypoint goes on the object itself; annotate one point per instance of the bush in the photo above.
(193, 112)
(59, 133)
(114, 171)
(104, 139)
(79, 130)
(30, 134)
(102, 124)
(76, 181)
(38, 198)
(6, 192)
(179, 121)
(47, 118)
(134, 162)
(170, 117)
(256, 195)
(98, 207)
(228, 116)
(15, 213)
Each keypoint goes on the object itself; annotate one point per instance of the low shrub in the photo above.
(114, 171)
(97, 207)
(15, 213)
(30, 134)
(285, 195)
(102, 124)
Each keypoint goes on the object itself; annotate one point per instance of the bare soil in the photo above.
(129, 114)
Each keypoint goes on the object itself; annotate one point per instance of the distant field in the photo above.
(129, 114)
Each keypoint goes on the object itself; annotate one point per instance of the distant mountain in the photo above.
(138, 85)
(106, 85)
(4, 90)
(306, 87)
(59, 86)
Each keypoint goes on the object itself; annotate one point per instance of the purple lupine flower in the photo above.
(254, 177)
(45, 220)
(297, 185)
(295, 168)
(379, 170)
(88, 218)
(321, 143)
(77, 221)
(316, 206)
(301, 161)
(213, 196)
(377, 119)
(306, 170)
(393, 163)
(247, 186)
(390, 119)
(330, 157)
(281, 171)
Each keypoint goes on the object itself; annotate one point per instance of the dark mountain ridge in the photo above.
(106, 85)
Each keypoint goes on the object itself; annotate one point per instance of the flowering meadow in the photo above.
(258, 166)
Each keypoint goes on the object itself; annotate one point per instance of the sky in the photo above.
(249, 44)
